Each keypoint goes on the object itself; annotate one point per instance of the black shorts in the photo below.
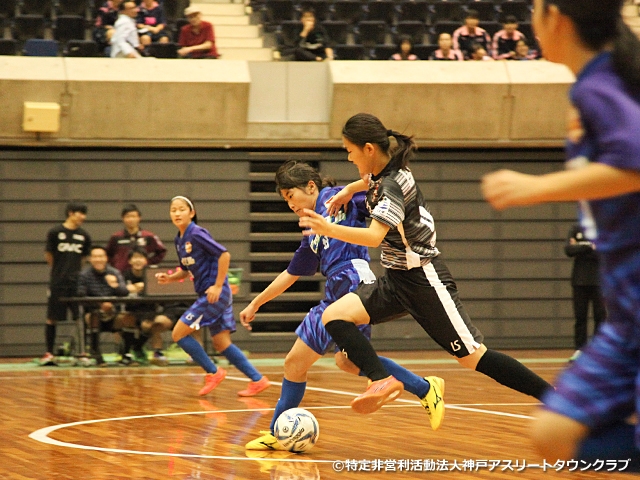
(57, 310)
(430, 296)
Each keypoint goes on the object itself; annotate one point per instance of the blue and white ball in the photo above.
(296, 430)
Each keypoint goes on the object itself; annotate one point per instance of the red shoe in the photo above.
(255, 388)
(212, 380)
(377, 394)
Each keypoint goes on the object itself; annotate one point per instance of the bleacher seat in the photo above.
(69, 27)
(181, 22)
(338, 30)
(486, 9)
(320, 7)
(412, 28)
(288, 34)
(7, 11)
(383, 10)
(170, 8)
(424, 51)
(8, 46)
(518, 8)
(349, 11)
(28, 26)
(81, 48)
(491, 27)
(277, 11)
(449, 11)
(383, 52)
(527, 30)
(414, 10)
(443, 27)
(36, 7)
(37, 47)
(371, 32)
(164, 50)
(349, 52)
(72, 7)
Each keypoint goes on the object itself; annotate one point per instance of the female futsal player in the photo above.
(416, 281)
(345, 266)
(208, 262)
(585, 415)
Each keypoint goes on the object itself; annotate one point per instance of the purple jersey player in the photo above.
(346, 266)
(586, 416)
(208, 262)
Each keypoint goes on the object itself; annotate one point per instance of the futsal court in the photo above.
(150, 423)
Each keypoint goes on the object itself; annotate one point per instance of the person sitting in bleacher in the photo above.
(446, 52)
(469, 34)
(151, 23)
(480, 53)
(197, 39)
(404, 52)
(103, 28)
(313, 42)
(505, 40)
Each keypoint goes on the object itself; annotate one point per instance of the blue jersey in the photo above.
(198, 252)
(330, 253)
(606, 129)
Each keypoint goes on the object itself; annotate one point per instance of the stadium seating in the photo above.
(383, 52)
(37, 47)
(8, 46)
(518, 8)
(448, 11)
(81, 48)
(164, 50)
(338, 31)
(72, 7)
(320, 7)
(28, 26)
(486, 9)
(36, 7)
(350, 11)
(414, 10)
(69, 27)
(371, 32)
(383, 10)
(424, 51)
(349, 52)
(412, 28)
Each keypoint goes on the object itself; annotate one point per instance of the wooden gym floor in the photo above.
(149, 423)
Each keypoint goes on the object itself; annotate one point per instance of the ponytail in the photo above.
(626, 56)
(401, 155)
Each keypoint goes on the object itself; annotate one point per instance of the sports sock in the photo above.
(615, 442)
(291, 395)
(358, 349)
(140, 341)
(128, 338)
(511, 373)
(238, 359)
(412, 382)
(193, 348)
(50, 337)
(94, 339)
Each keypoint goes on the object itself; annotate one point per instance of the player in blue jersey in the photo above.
(345, 265)
(208, 262)
(586, 416)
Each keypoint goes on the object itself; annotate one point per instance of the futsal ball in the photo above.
(296, 430)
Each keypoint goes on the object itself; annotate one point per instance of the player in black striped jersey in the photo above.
(416, 280)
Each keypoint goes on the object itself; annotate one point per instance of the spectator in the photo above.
(585, 285)
(314, 41)
(505, 40)
(446, 52)
(405, 49)
(480, 53)
(523, 52)
(124, 41)
(148, 322)
(67, 246)
(103, 28)
(470, 33)
(102, 280)
(151, 23)
(121, 243)
(197, 39)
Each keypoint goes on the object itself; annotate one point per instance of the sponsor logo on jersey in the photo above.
(77, 236)
(186, 261)
(382, 207)
(188, 247)
(62, 236)
(70, 247)
(142, 242)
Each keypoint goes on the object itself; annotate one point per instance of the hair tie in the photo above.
(390, 133)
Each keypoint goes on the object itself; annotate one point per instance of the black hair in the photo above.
(471, 13)
(129, 208)
(365, 128)
(121, 7)
(599, 22)
(98, 247)
(295, 174)
(135, 250)
(73, 207)
(510, 19)
(402, 39)
(189, 203)
(310, 10)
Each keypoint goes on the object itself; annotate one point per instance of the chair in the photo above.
(412, 28)
(383, 52)
(81, 48)
(36, 7)
(69, 27)
(164, 50)
(349, 11)
(349, 52)
(320, 7)
(518, 8)
(37, 47)
(279, 10)
(424, 51)
(486, 9)
(8, 46)
(491, 27)
(288, 34)
(8, 9)
(371, 32)
(171, 10)
(447, 11)
(383, 10)
(443, 27)
(414, 10)
(338, 30)
(28, 26)
(72, 7)
(181, 22)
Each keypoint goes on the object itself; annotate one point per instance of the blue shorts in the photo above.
(217, 316)
(311, 331)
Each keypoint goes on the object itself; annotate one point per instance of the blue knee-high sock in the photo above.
(290, 397)
(237, 358)
(412, 382)
(615, 443)
(193, 348)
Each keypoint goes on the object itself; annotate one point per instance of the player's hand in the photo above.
(247, 316)
(339, 200)
(163, 278)
(213, 293)
(506, 188)
(315, 223)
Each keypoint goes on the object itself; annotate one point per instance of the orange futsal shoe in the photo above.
(378, 393)
(255, 388)
(212, 380)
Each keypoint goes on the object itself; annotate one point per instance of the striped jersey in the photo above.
(317, 250)
(198, 252)
(395, 199)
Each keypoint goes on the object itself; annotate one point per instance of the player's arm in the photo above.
(506, 188)
(48, 256)
(179, 274)
(276, 288)
(368, 237)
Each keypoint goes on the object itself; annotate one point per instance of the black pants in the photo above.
(582, 295)
(304, 55)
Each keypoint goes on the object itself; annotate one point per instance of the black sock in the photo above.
(358, 349)
(511, 373)
(95, 341)
(140, 341)
(128, 339)
(50, 337)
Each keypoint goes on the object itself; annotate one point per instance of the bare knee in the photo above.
(471, 361)
(294, 370)
(221, 341)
